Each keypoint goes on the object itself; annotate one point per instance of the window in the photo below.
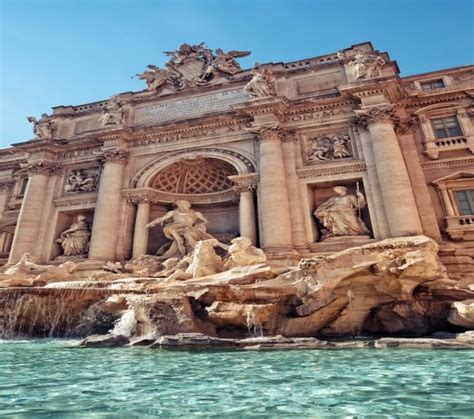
(432, 85)
(465, 201)
(446, 127)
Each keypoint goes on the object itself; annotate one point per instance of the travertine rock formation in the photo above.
(393, 287)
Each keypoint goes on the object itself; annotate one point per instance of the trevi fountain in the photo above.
(202, 225)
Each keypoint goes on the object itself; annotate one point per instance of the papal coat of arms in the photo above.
(192, 65)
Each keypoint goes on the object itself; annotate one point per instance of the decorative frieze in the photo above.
(316, 171)
(157, 197)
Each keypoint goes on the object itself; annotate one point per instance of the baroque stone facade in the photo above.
(257, 152)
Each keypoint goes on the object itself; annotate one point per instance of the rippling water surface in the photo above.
(39, 379)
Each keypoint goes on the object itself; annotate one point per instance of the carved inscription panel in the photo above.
(189, 107)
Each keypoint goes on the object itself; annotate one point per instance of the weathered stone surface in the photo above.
(421, 343)
(103, 341)
(462, 314)
(467, 337)
(192, 340)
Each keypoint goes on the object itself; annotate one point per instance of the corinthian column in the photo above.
(273, 194)
(140, 234)
(397, 191)
(105, 227)
(245, 185)
(293, 186)
(29, 219)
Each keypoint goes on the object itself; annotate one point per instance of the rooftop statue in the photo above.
(192, 65)
(366, 66)
(262, 83)
(42, 128)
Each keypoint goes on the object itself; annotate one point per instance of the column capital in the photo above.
(44, 168)
(243, 183)
(6, 183)
(114, 156)
(405, 125)
(372, 115)
(143, 198)
(272, 132)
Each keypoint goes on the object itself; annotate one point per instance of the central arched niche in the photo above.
(200, 175)
(204, 181)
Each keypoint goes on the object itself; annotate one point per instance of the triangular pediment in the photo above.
(453, 176)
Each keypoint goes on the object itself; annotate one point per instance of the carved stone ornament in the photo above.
(42, 128)
(6, 183)
(262, 83)
(244, 183)
(271, 133)
(192, 65)
(81, 181)
(406, 125)
(366, 65)
(365, 117)
(328, 148)
(44, 168)
(115, 156)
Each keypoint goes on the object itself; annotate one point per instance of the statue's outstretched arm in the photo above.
(159, 220)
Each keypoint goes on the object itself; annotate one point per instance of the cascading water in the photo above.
(54, 312)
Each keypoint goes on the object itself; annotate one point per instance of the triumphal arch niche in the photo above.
(304, 157)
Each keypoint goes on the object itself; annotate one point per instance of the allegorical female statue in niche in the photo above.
(339, 215)
(75, 240)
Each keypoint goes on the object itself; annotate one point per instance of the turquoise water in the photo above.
(39, 379)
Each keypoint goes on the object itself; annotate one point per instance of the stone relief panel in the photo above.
(327, 148)
(81, 180)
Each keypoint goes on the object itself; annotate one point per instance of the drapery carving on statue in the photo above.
(339, 216)
(262, 83)
(81, 181)
(42, 128)
(75, 240)
(366, 65)
(192, 65)
(329, 147)
(184, 227)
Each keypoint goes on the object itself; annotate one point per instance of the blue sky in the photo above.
(68, 52)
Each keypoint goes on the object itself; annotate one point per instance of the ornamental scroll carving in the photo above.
(44, 168)
(328, 148)
(114, 156)
(365, 117)
(244, 183)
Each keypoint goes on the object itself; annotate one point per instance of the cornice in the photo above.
(316, 171)
(154, 196)
(414, 102)
(448, 163)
